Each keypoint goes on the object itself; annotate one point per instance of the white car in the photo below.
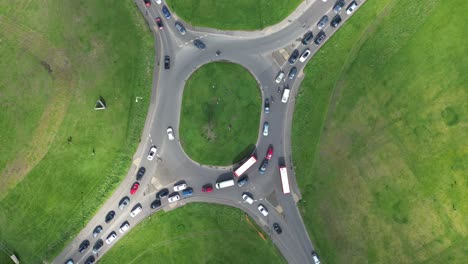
(136, 210)
(158, 2)
(180, 187)
(173, 198)
(305, 55)
(279, 77)
(124, 227)
(263, 210)
(247, 198)
(170, 133)
(265, 128)
(152, 152)
(351, 7)
(315, 257)
(111, 237)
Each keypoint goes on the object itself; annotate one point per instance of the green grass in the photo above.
(384, 111)
(195, 233)
(57, 58)
(220, 107)
(233, 15)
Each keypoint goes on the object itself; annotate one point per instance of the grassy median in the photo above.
(384, 176)
(220, 114)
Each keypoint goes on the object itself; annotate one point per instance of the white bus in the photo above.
(242, 169)
(224, 184)
(285, 97)
(284, 179)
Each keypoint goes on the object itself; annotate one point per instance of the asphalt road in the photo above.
(256, 51)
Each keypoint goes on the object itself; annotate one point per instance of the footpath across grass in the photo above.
(233, 15)
(220, 114)
(384, 175)
(60, 158)
(195, 233)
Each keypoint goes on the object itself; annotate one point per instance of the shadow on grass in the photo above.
(245, 154)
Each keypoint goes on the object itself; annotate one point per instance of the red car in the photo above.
(147, 2)
(269, 153)
(159, 23)
(207, 188)
(135, 187)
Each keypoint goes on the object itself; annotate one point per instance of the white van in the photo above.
(136, 211)
(286, 92)
(224, 184)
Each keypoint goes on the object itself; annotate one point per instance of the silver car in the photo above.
(265, 128)
(323, 22)
(180, 28)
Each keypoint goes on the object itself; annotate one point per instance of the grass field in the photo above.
(385, 177)
(56, 59)
(232, 15)
(213, 234)
(220, 107)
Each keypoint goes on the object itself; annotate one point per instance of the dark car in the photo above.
(292, 73)
(267, 105)
(263, 166)
(124, 202)
(277, 228)
(338, 6)
(159, 22)
(180, 27)
(293, 57)
(307, 37)
(336, 21)
(97, 230)
(97, 246)
(90, 260)
(147, 2)
(167, 62)
(110, 215)
(140, 173)
(166, 12)
(320, 38)
(243, 181)
(84, 245)
(162, 194)
(155, 204)
(187, 192)
(199, 44)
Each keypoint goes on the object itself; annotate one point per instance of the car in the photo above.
(269, 153)
(180, 27)
(279, 77)
(111, 237)
(110, 215)
(351, 7)
(124, 202)
(180, 187)
(305, 54)
(174, 197)
(315, 258)
(307, 38)
(136, 210)
(162, 193)
(83, 246)
(69, 261)
(199, 44)
(263, 167)
(293, 58)
(322, 22)
(246, 197)
(140, 173)
(166, 12)
(97, 246)
(338, 6)
(267, 105)
(262, 210)
(265, 128)
(243, 181)
(147, 2)
(97, 230)
(159, 22)
(170, 133)
(187, 192)
(167, 62)
(207, 188)
(152, 152)
(292, 73)
(158, 2)
(134, 188)
(124, 227)
(90, 260)
(320, 38)
(277, 228)
(155, 204)
(336, 21)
